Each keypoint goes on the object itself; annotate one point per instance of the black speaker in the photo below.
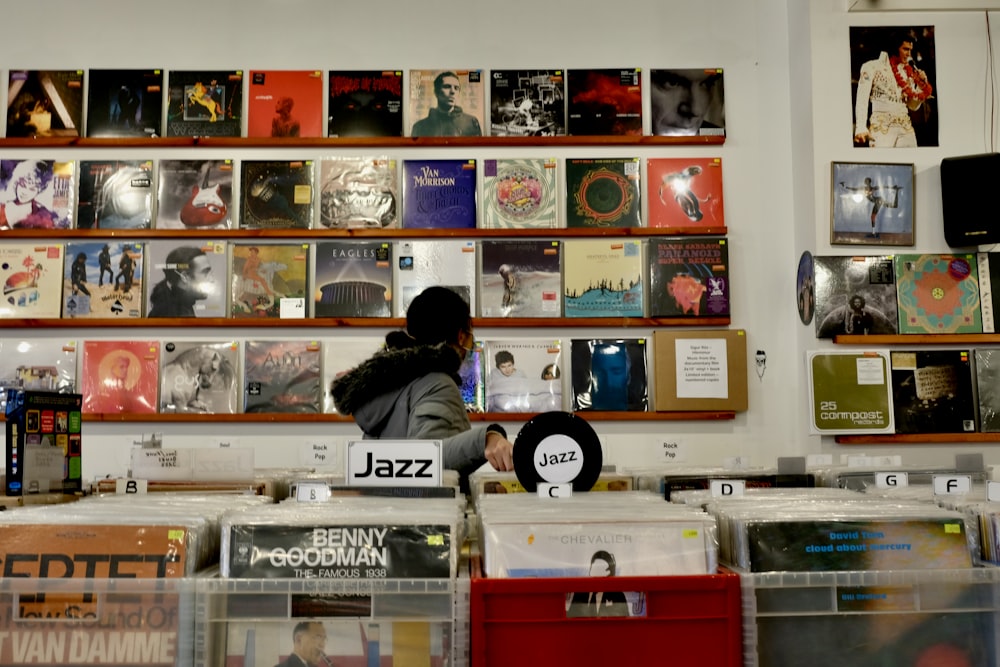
(969, 202)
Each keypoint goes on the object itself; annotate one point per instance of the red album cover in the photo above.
(285, 103)
(685, 192)
(604, 102)
(120, 376)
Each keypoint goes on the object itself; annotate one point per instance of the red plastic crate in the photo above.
(692, 620)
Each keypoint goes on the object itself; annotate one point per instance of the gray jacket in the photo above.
(413, 393)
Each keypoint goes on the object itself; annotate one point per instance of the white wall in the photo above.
(768, 157)
(962, 98)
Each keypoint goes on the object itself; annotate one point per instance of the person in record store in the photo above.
(447, 119)
(411, 388)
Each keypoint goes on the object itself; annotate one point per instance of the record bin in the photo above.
(74, 621)
(367, 623)
(684, 620)
(861, 618)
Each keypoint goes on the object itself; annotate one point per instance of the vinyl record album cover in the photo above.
(685, 192)
(989, 301)
(200, 377)
(854, 295)
(523, 375)
(365, 103)
(124, 103)
(282, 376)
(689, 277)
(342, 354)
(609, 374)
(938, 293)
(115, 194)
(604, 102)
(687, 102)
(520, 278)
(353, 278)
(932, 391)
(37, 194)
(263, 274)
(31, 273)
(120, 376)
(39, 364)
(439, 194)
(446, 103)
(419, 264)
(205, 104)
(520, 193)
(276, 194)
(602, 192)
(988, 385)
(602, 278)
(194, 194)
(360, 192)
(527, 103)
(187, 278)
(849, 392)
(103, 279)
(285, 103)
(45, 103)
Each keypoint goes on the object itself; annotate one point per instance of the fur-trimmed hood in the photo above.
(389, 372)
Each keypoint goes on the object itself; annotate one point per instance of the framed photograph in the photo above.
(871, 204)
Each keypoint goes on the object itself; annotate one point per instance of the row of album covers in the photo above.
(683, 277)
(366, 192)
(875, 391)
(910, 293)
(518, 375)
(383, 103)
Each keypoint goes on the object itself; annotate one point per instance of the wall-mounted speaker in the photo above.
(970, 199)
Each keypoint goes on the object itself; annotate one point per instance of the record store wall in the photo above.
(788, 108)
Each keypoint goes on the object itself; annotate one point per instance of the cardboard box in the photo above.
(700, 369)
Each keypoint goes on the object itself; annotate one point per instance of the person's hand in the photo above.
(499, 451)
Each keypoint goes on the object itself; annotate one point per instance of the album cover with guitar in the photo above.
(195, 194)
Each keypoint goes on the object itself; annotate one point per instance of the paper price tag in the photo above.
(993, 491)
(292, 308)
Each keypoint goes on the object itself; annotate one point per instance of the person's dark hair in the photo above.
(503, 356)
(302, 626)
(552, 370)
(606, 557)
(436, 315)
(179, 261)
(441, 77)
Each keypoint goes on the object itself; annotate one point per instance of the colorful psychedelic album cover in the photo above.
(205, 104)
(282, 376)
(365, 103)
(603, 192)
(45, 103)
(604, 102)
(37, 194)
(285, 103)
(446, 103)
(685, 192)
(194, 194)
(265, 274)
(120, 376)
(124, 103)
(528, 103)
(103, 279)
(520, 193)
(115, 194)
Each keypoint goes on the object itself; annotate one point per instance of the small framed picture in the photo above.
(871, 204)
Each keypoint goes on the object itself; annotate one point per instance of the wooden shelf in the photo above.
(308, 234)
(488, 417)
(919, 339)
(916, 438)
(369, 322)
(355, 142)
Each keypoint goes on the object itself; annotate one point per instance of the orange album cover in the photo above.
(685, 192)
(285, 103)
(120, 376)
